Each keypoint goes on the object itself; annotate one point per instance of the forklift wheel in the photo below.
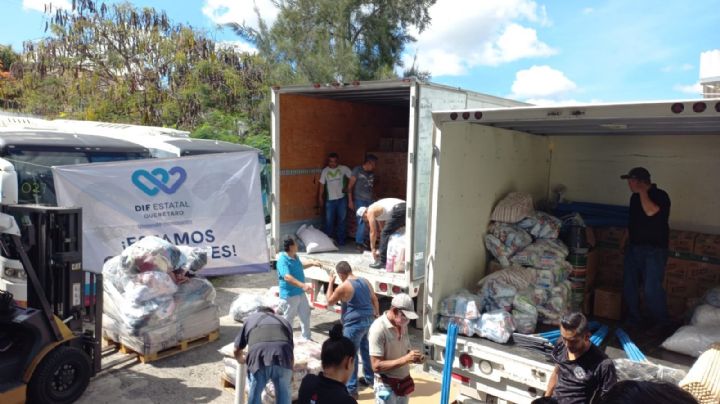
(61, 378)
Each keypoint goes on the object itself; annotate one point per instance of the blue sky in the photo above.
(555, 51)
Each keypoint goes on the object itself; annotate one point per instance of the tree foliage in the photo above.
(119, 63)
(337, 40)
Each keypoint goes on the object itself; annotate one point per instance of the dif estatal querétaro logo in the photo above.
(159, 179)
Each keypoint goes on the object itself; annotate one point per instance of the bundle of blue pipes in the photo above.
(552, 336)
(599, 336)
(631, 350)
(448, 365)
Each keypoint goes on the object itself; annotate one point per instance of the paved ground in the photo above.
(194, 376)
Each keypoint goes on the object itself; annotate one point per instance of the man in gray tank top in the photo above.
(360, 307)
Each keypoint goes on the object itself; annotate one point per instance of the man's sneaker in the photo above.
(377, 265)
(364, 382)
(360, 247)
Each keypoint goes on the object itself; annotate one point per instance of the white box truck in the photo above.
(391, 119)
(482, 154)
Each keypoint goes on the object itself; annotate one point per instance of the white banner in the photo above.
(210, 201)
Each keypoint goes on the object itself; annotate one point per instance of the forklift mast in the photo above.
(50, 248)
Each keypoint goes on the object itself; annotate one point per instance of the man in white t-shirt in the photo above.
(331, 195)
(387, 216)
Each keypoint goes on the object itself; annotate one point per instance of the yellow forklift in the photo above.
(51, 349)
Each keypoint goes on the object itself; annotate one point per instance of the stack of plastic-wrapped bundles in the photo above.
(307, 361)
(153, 300)
(522, 239)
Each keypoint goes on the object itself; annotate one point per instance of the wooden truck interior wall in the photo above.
(477, 167)
(312, 127)
(686, 167)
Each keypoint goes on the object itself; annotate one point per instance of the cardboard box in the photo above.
(707, 245)
(682, 241)
(676, 268)
(386, 144)
(609, 235)
(676, 306)
(400, 145)
(703, 270)
(608, 303)
(681, 288)
(612, 259)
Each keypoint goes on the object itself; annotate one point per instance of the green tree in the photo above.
(119, 63)
(343, 40)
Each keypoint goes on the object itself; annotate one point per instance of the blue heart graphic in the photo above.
(158, 179)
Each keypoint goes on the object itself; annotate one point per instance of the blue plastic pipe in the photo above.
(450, 342)
(631, 350)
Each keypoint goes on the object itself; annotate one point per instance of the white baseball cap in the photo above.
(404, 302)
(361, 211)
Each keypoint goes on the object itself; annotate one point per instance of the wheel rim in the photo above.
(64, 379)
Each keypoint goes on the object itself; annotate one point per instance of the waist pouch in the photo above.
(401, 387)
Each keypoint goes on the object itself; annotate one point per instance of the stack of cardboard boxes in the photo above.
(692, 269)
(391, 175)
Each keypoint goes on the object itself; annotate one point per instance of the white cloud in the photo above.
(541, 82)
(692, 89)
(240, 46)
(588, 10)
(465, 34)
(39, 5)
(240, 11)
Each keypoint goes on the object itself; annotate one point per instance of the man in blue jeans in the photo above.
(359, 309)
(647, 250)
(331, 195)
(361, 194)
(269, 340)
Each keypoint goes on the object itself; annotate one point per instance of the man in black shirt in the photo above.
(647, 249)
(583, 373)
(269, 340)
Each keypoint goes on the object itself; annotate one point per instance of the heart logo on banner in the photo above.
(159, 179)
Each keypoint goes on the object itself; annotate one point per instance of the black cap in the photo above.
(637, 173)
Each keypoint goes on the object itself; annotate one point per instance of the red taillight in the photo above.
(478, 115)
(453, 116)
(396, 289)
(462, 379)
(699, 107)
(677, 108)
(466, 115)
(356, 83)
(316, 85)
(383, 287)
(465, 361)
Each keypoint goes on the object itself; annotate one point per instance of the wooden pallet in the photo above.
(226, 384)
(183, 346)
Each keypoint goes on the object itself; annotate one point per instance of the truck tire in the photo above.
(61, 377)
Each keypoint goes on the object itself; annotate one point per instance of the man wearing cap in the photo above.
(386, 215)
(391, 353)
(647, 248)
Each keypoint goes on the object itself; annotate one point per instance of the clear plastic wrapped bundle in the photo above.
(647, 371)
(466, 327)
(247, 303)
(693, 340)
(498, 296)
(497, 326)
(713, 297)
(151, 302)
(706, 314)
(150, 254)
(192, 259)
(462, 304)
(542, 225)
(396, 252)
(503, 240)
(524, 312)
(542, 254)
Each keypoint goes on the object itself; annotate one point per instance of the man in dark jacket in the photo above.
(269, 340)
(583, 373)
